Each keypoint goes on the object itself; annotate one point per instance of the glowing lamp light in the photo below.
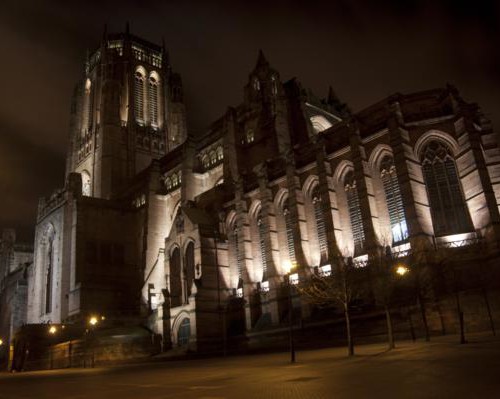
(52, 330)
(1, 341)
(402, 270)
(287, 266)
(93, 321)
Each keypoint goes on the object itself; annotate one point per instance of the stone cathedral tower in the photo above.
(126, 111)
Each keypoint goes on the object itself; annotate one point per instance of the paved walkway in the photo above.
(439, 369)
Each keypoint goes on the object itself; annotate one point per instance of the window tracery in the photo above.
(449, 212)
(394, 201)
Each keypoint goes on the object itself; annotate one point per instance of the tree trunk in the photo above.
(350, 343)
(488, 308)
(390, 334)
(424, 317)
(460, 315)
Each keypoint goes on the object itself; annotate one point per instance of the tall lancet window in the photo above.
(49, 272)
(320, 224)
(139, 96)
(238, 259)
(237, 254)
(189, 265)
(394, 201)
(153, 100)
(448, 209)
(262, 244)
(289, 225)
(88, 105)
(175, 278)
(358, 233)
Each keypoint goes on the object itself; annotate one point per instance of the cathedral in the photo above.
(194, 236)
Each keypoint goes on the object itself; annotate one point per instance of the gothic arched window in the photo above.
(86, 184)
(320, 223)
(394, 201)
(256, 84)
(289, 226)
(262, 244)
(351, 191)
(189, 264)
(220, 153)
(175, 278)
(88, 105)
(213, 157)
(274, 85)
(139, 96)
(449, 212)
(153, 99)
(237, 253)
(249, 136)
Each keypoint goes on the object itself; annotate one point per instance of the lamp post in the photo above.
(93, 321)
(287, 266)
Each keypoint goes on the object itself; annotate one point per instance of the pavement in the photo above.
(440, 369)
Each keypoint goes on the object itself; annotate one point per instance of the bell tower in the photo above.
(127, 109)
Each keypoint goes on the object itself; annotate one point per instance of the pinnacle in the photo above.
(261, 60)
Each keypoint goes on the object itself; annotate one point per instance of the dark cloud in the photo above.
(364, 49)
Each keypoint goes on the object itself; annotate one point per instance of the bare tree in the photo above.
(383, 278)
(341, 288)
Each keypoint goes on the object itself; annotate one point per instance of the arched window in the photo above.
(237, 253)
(289, 226)
(153, 99)
(262, 244)
(256, 84)
(189, 262)
(220, 153)
(139, 96)
(320, 224)
(250, 136)
(86, 184)
(394, 201)
(175, 278)
(175, 180)
(358, 233)
(448, 209)
(320, 123)
(179, 177)
(184, 332)
(274, 85)
(213, 157)
(205, 161)
(168, 183)
(49, 272)
(89, 104)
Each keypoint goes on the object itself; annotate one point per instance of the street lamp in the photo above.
(402, 270)
(52, 330)
(1, 341)
(287, 267)
(93, 320)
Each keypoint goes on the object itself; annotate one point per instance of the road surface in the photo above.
(439, 369)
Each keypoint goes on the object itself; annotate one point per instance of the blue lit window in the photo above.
(394, 201)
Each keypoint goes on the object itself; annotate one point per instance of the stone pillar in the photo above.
(491, 214)
(295, 197)
(327, 194)
(269, 300)
(403, 158)
(364, 187)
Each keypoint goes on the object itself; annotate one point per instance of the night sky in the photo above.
(365, 49)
